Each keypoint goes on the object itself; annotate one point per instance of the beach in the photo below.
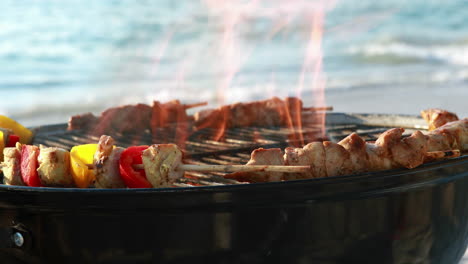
(401, 100)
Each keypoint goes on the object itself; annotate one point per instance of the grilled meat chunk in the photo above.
(338, 160)
(54, 167)
(261, 156)
(160, 162)
(264, 113)
(106, 164)
(437, 117)
(392, 151)
(357, 149)
(11, 166)
(82, 122)
(440, 141)
(354, 155)
(312, 154)
(167, 122)
(455, 135)
(124, 119)
(410, 151)
(379, 153)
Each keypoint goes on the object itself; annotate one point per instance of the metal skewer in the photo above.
(231, 168)
(445, 154)
(276, 168)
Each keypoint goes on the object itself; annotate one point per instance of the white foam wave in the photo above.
(454, 54)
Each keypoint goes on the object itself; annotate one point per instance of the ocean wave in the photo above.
(403, 77)
(456, 54)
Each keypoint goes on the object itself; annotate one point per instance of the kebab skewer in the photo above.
(136, 118)
(354, 155)
(112, 167)
(351, 155)
(160, 165)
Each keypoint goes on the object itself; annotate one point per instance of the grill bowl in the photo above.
(397, 216)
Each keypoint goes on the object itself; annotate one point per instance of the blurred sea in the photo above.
(64, 57)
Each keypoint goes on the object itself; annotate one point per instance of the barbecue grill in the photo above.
(397, 216)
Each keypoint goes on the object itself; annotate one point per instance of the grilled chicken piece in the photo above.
(338, 160)
(11, 166)
(135, 119)
(438, 117)
(312, 154)
(261, 156)
(106, 164)
(410, 151)
(54, 167)
(242, 114)
(455, 135)
(440, 141)
(160, 162)
(264, 157)
(357, 149)
(125, 119)
(354, 155)
(131, 119)
(379, 153)
(83, 121)
(273, 112)
(392, 151)
(264, 113)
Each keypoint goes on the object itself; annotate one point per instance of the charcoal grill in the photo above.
(238, 143)
(397, 216)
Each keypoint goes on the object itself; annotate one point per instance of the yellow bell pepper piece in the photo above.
(19, 130)
(79, 157)
(2, 145)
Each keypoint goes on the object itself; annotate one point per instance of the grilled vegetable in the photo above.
(80, 156)
(133, 178)
(2, 143)
(29, 165)
(12, 132)
(25, 135)
(12, 140)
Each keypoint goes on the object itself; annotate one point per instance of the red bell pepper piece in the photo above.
(133, 178)
(29, 165)
(12, 139)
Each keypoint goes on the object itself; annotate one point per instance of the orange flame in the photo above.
(160, 51)
(313, 66)
(232, 55)
(311, 76)
(169, 123)
(215, 119)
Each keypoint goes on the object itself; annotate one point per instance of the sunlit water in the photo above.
(63, 57)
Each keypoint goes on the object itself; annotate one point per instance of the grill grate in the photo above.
(238, 143)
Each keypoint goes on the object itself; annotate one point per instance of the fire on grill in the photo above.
(103, 165)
